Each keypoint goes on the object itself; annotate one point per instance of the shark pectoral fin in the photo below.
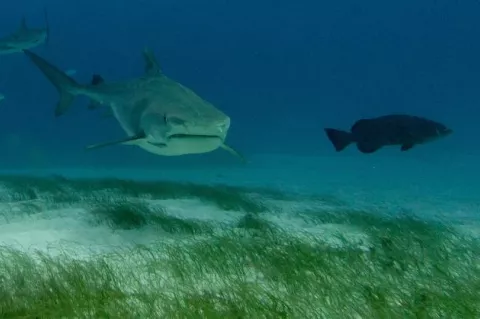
(131, 140)
(234, 152)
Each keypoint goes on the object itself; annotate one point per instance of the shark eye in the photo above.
(173, 120)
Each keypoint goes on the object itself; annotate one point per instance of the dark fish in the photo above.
(372, 134)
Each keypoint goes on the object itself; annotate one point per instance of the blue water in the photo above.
(282, 70)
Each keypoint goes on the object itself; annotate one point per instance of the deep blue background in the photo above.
(282, 70)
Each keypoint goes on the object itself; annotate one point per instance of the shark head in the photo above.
(179, 133)
(169, 119)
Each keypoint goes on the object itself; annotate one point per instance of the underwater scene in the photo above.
(240, 159)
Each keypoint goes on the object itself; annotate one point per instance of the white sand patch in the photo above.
(54, 231)
(195, 209)
(472, 230)
(70, 229)
(336, 235)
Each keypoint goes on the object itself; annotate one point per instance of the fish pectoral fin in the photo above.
(131, 140)
(234, 152)
(368, 147)
(406, 146)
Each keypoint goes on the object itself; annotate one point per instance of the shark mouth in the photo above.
(193, 136)
(189, 138)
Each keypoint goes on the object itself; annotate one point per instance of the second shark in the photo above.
(24, 38)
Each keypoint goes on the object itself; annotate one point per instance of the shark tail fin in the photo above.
(64, 84)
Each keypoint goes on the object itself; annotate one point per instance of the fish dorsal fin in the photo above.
(23, 24)
(151, 65)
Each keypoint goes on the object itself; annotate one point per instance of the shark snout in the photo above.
(223, 126)
(220, 128)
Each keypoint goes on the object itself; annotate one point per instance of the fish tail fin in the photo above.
(339, 139)
(65, 85)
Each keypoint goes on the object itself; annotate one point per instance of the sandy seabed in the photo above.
(286, 237)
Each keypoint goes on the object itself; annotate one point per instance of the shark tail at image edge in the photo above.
(62, 82)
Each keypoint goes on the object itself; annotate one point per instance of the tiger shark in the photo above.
(25, 38)
(157, 113)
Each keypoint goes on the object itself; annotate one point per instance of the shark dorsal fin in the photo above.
(151, 65)
(23, 24)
